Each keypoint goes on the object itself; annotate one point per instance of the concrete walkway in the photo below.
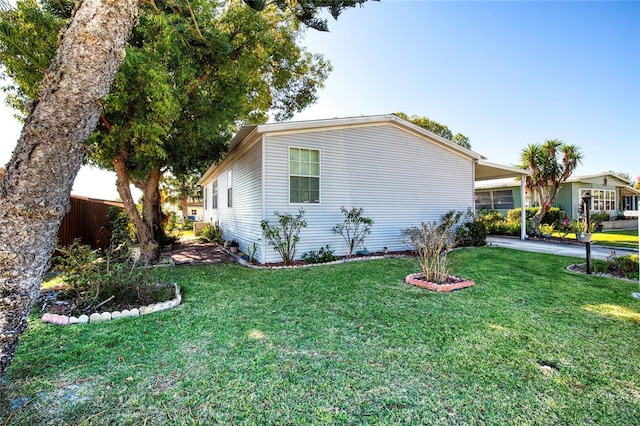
(553, 247)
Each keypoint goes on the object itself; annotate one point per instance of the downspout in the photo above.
(523, 213)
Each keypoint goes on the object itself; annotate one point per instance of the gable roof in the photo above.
(252, 132)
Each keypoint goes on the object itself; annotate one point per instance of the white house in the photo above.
(399, 173)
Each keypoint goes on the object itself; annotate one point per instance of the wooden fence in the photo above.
(86, 220)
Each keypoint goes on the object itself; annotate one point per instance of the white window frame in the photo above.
(318, 176)
(601, 199)
(492, 198)
(230, 188)
(214, 194)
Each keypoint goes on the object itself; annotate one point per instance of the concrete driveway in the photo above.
(553, 247)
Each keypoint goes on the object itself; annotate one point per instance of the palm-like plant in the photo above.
(551, 164)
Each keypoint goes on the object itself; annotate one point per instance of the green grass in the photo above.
(531, 343)
(627, 238)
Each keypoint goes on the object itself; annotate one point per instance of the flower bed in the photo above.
(453, 283)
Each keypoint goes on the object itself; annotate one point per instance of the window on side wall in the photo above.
(206, 199)
(214, 194)
(503, 200)
(304, 176)
(230, 188)
(495, 200)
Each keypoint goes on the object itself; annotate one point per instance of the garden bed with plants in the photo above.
(95, 282)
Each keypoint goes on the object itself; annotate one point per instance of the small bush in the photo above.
(354, 228)
(90, 279)
(625, 265)
(598, 217)
(285, 237)
(172, 222)
(325, 254)
(550, 217)
(546, 229)
(187, 224)
(212, 234)
(432, 243)
(472, 234)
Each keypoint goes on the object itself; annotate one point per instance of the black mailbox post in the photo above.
(586, 204)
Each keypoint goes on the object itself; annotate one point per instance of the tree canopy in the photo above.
(52, 145)
(436, 128)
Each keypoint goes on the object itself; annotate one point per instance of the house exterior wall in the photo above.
(398, 178)
(569, 197)
(241, 221)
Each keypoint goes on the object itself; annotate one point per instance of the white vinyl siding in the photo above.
(398, 178)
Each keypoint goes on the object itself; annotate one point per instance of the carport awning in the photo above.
(486, 170)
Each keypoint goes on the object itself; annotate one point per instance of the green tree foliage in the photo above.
(436, 128)
(60, 121)
(191, 74)
(179, 191)
(550, 164)
(28, 41)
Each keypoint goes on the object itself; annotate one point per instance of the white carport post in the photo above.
(523, 214)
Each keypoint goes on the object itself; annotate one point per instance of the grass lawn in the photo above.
(626, 238)
(348, 344)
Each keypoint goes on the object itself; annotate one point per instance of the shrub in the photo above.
(564, 226)
(354, 228)
(91, 280)
(471, 234)
(285, 238)
(212, 234)
(550, 217)
(122, 230)
(546, 229)
(187, 224)
(497, 224)
(172, 222)
(432, 243)
(626, 265)
(598, 217)
(325, 254)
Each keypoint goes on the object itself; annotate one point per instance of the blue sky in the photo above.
(505, 74)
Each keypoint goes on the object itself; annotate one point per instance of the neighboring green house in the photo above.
(610, 193)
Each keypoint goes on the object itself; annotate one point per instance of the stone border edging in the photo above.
(596, 274)
(418, 280)
(107, 316)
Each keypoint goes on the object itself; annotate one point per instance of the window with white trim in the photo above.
(304, 175)
(601, 199)
(206, 198)
(214, 194)
(230, 188)
(495, 200)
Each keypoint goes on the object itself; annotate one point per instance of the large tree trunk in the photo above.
(536, 220)
(34, 193)
(152, 212)
(184, 205)
(149, 252)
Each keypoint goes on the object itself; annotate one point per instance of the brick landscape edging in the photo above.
(419, 281)
(108, 316)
